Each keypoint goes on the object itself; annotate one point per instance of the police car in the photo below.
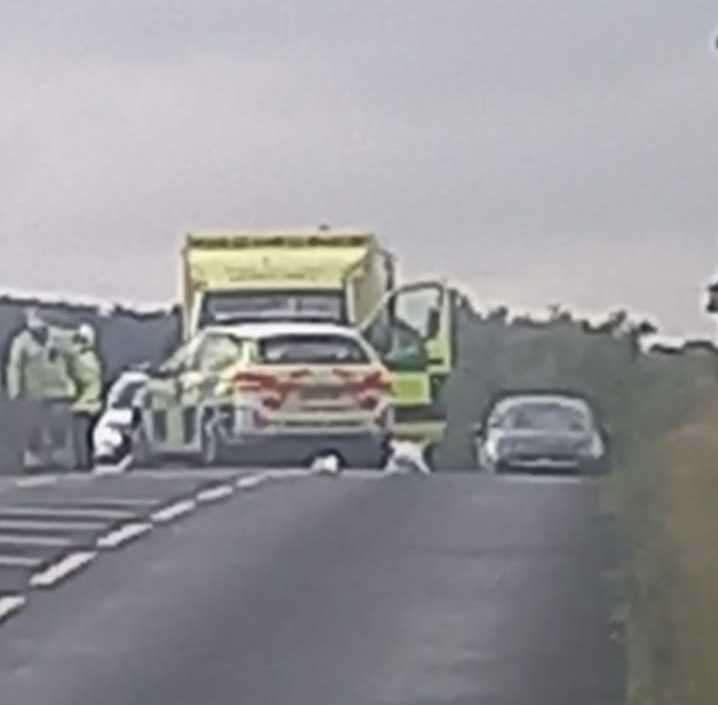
(266, 393)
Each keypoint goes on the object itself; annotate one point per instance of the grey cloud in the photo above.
(538, 151)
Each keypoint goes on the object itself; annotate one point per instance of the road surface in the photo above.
(358, 590)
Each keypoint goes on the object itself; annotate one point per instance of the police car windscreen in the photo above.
(311, 350)
(252, 306)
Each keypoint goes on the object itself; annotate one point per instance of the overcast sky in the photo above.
(537, 152)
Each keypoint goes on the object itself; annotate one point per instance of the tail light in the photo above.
(254, 381)
(272, 390)
(374, 382)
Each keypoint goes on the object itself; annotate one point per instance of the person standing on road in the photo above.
(38, 372)
(87, 373)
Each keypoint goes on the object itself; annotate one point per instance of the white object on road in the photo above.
(406, 457)
(328, 464)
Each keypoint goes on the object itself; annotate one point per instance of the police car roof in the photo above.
(274, 328)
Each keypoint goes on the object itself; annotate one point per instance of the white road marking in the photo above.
(36, 481)
(174, 510)
(214, 494)
(10, 561)
(11, 604)
(41, 511)
(94, 501)
(12, 524)
(27, 540)
(71, 564)
(123, 535)
(282, 474)
(249, 482)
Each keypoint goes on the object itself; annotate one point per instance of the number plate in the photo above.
(324, 391)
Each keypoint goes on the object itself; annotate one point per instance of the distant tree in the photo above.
(558, 312)
(499, 314)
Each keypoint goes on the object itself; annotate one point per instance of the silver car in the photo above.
(541, 432)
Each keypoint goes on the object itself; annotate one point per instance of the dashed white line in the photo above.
(174, 510)
(57, 572)
(251, 481)
(11, 604)
(284, 474)
(214, 494)
(122, 535)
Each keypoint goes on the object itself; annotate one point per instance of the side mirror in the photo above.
(433, 323)
(479, 429)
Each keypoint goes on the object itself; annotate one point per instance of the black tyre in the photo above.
(141, 451)
(502, 467)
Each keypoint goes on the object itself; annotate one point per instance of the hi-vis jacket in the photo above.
(39, 371)
(86, 370)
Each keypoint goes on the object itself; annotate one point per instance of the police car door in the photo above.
(199, 384)
(411, 331)
(163, 401)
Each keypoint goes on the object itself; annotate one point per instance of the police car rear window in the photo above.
(311, 349)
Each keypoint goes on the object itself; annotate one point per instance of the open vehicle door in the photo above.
(164, 423)
(411, 331)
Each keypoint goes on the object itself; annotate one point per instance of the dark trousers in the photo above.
(48, 427)
(83, 424)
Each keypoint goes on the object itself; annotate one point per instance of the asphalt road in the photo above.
(360, 590)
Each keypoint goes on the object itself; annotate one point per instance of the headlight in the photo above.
(593, 448)
(492, 448)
